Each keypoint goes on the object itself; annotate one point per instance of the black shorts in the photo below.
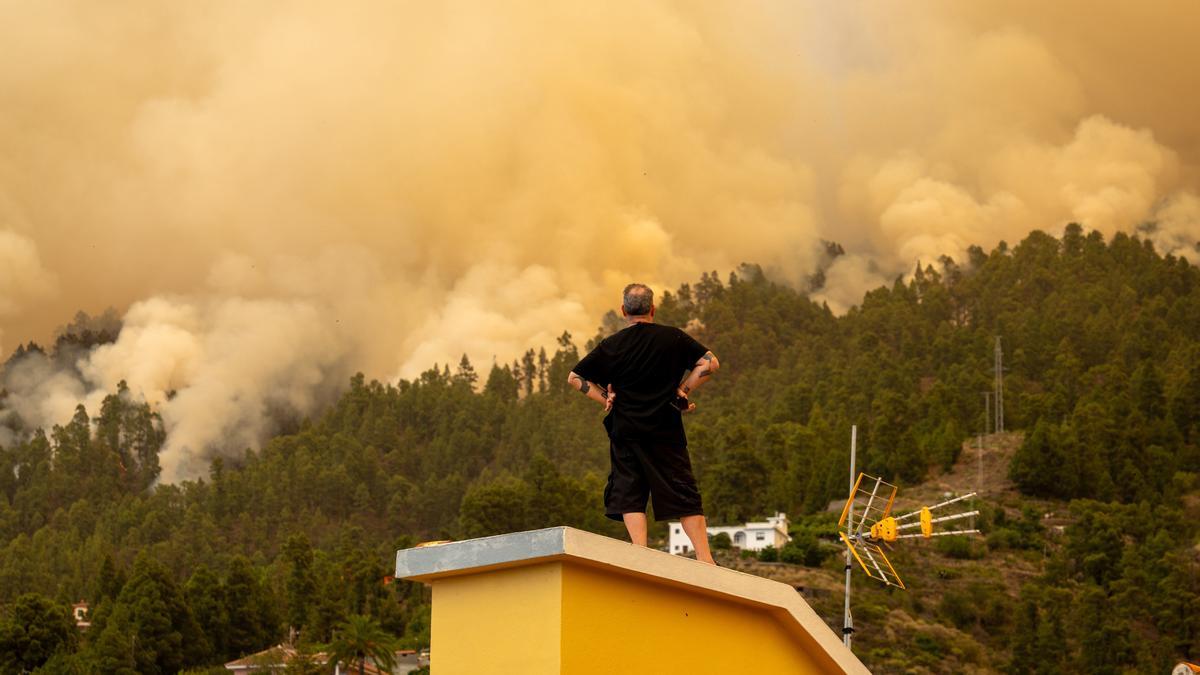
(662, 472)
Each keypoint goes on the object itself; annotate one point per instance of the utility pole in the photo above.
(847, 620)
(987, 413)
(999, 393)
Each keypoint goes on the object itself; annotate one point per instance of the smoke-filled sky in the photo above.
(276, 194)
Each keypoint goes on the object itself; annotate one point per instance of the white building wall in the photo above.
(677, 542)
(748, 537)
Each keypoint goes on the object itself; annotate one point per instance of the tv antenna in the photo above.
(867, 526)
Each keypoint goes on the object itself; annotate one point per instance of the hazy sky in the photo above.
(275, 194)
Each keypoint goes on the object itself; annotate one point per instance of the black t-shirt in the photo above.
(645, 363)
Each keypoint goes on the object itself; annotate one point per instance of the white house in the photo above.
(79, 610)
(750, 536)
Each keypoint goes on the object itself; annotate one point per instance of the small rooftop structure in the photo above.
(567, 602)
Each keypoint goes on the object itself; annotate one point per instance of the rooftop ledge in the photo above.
(651, 568)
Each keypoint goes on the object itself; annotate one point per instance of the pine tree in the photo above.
(206, 599)
(1103, 634)
(501, 384)
(466, 374)
(35, 629)
(495, 507)
(151, 611)
(249, 629)
(529, 373)
(1023, 644)
(113, 652)
(297, 551)
(1039, 465)
(110, 580)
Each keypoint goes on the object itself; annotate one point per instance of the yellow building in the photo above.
(569, 602)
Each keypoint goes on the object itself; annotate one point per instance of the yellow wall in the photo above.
(619, 624)
(573, 619)
(503, 621)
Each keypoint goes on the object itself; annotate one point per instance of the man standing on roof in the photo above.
(643, 375)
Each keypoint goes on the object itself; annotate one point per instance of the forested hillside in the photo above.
(1102, 356)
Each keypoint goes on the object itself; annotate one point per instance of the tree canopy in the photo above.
(1102, 356)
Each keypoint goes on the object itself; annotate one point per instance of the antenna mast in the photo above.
(847, 620)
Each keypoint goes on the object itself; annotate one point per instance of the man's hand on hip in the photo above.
(681, 397)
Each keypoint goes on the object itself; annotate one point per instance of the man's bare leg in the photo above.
(696, 528)
(636, 524)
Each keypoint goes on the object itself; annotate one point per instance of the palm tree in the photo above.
(361, 637)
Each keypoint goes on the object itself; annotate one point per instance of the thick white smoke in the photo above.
(276, 194)
(1175, 224)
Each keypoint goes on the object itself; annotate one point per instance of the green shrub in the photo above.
(768, 554)
(959, 608)
(791, 555)
(947, 572)
(1024, 534)
(1004, 538)
(869, 612)
(928, 643)
(958, 547)
(804, 549)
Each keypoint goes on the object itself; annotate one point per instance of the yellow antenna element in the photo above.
(884, 529)
(870, 501)
(873, 561)
(853, 491)
(867, 522)
(854, 551)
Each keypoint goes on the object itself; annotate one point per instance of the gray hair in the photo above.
(637, 299)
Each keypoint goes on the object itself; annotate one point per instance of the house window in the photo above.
(739, 538)
(760, 536)
(677, 530)
(685, 548)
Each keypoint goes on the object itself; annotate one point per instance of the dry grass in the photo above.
(984, 471)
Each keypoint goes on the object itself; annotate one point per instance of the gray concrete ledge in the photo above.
(471, 555)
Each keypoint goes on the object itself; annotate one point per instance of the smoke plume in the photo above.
(277, 194)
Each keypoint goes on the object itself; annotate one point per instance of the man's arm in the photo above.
(702, 372)
(591, 390)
